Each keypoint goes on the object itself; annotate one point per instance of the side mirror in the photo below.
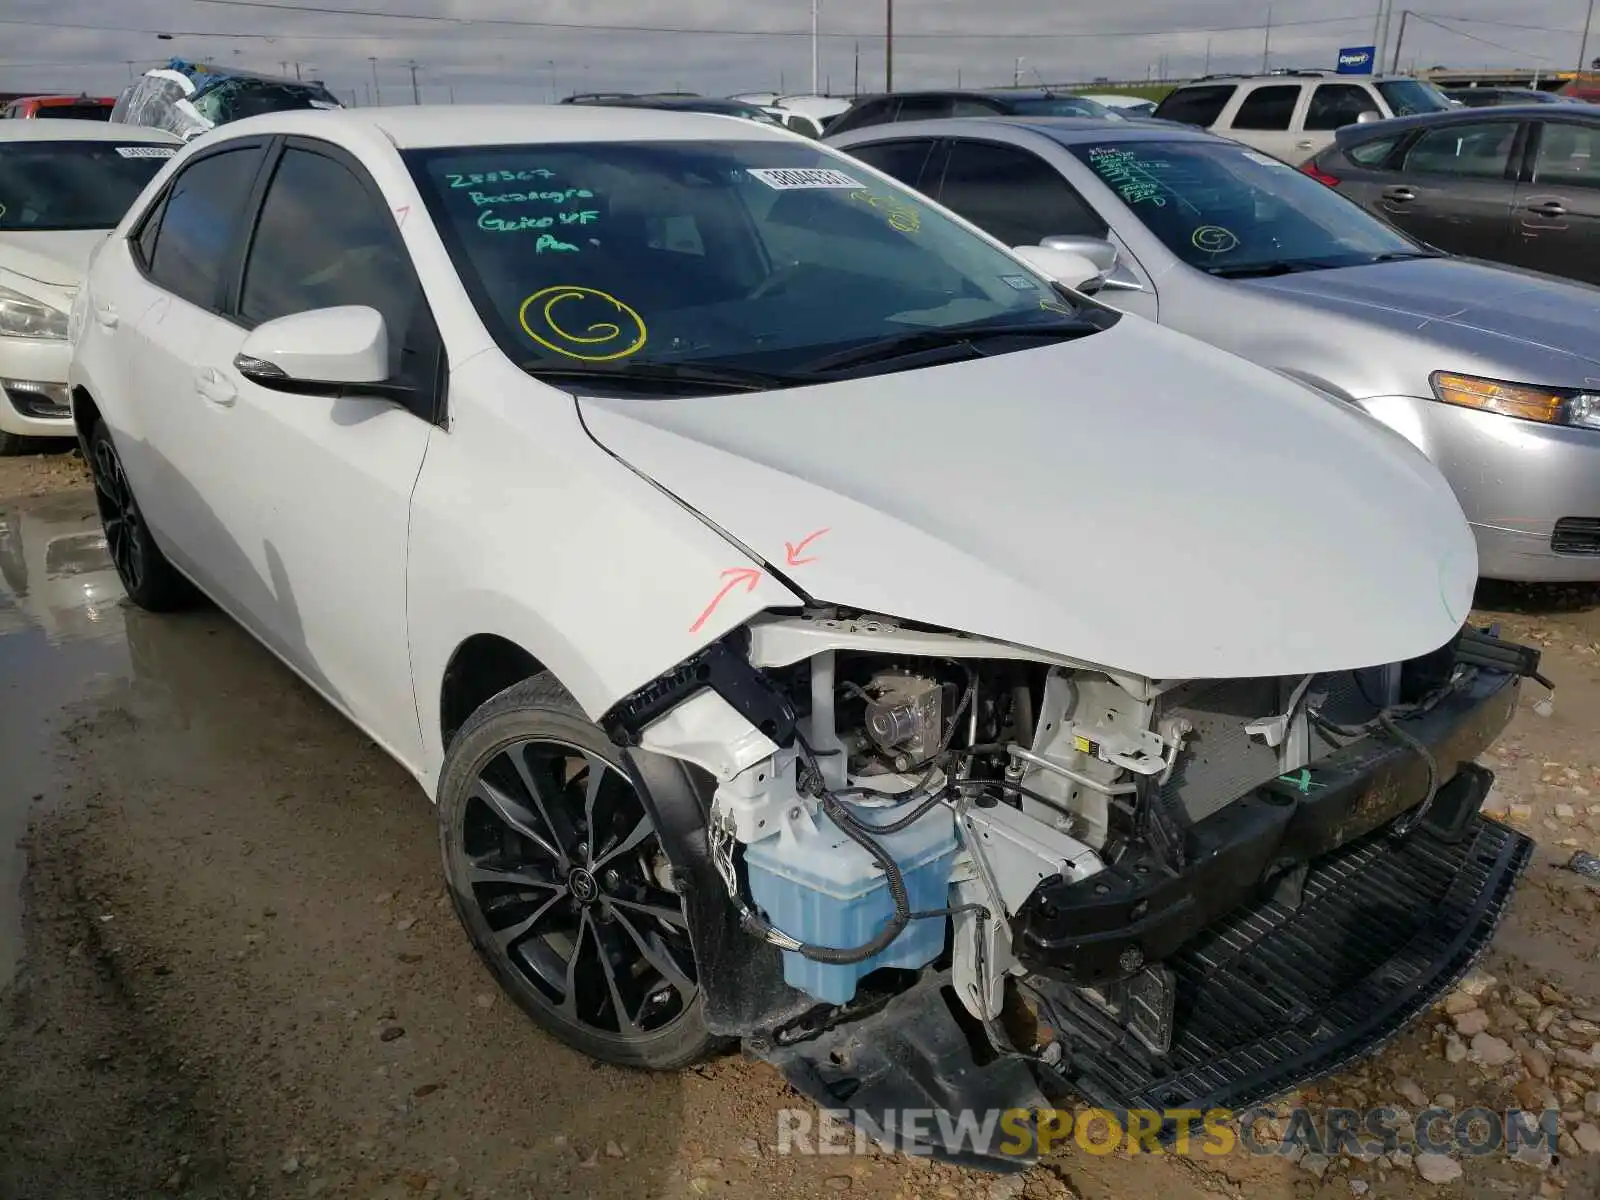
(1114, 277)
(1369, 117)
(1064, 266)
(323, 352)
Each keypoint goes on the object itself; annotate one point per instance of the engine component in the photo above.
(823, 889)
(904, 717)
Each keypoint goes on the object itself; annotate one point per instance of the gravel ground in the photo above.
(240, 975)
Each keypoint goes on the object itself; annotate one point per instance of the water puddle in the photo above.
(61, 635)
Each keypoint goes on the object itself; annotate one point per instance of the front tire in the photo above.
(13, 444)
(151, 582)
(560, 877)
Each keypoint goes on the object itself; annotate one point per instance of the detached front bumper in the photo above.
(1138, 911)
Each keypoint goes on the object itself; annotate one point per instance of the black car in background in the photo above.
(933, 106)
(1493, 97)
(1517, 185)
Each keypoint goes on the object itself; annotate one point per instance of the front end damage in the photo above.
(925, 871)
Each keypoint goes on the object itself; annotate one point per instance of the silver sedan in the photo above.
(1493, 373)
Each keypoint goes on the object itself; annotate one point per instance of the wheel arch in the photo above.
(85, 412)
(480, 668)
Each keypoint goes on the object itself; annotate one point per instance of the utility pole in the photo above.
(1266, 48)
(452, 93)
(1207, 71)
(888, 45)
(1400, 40)
(855, 88)
(377, 92)
(1016, 72)
(297, 74)
(416, 96)
(815, 54)
(1383, 38)
(1583, 46)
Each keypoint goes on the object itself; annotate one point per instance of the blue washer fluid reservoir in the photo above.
(817, 885)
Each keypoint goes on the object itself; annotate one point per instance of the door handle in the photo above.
(1400, 195)
(1548, 208)
(1305, 145)
(105, 315)
(213, 386)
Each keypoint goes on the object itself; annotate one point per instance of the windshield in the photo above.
(236, 99)
(765, 255)
(88, 110)
(1061, 106)
(72, 185)
(1226, 209)
(1410, 96)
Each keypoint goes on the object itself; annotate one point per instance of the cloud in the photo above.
(96, 45)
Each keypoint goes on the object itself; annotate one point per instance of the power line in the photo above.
(520, 22)
(1462, 33)
(1501, 24)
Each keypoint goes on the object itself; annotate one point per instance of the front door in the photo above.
(330, 479)
(1456, 187)
(1556, 217)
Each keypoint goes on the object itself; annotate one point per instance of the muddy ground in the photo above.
(229, 969)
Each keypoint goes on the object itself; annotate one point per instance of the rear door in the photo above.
(1266, 116)
(1556, 223)
(166, 318)
(1456, 185)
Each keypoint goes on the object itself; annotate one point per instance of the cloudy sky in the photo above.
(94, 45)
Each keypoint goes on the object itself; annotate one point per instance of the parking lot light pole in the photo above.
(1583, 45)
(888, 45)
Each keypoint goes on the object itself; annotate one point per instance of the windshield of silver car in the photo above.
(49, 186)
(757, 255)
(1231, 211)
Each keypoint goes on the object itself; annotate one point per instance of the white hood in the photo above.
(58, 258)
(1134, 499)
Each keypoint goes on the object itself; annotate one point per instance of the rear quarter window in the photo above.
(1372, 154)
(1196, 105)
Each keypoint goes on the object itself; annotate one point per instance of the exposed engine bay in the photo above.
(897, 812)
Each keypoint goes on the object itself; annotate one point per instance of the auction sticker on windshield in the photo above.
(785, 179)
(147, 151)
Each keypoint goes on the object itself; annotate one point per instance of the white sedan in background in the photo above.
(770, 577)
(63, 186)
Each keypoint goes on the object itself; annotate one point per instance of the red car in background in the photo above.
(81, 108)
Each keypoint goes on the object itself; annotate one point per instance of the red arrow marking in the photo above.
(402, 211)
(748, 576)
(792, 552)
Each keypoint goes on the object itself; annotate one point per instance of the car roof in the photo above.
(43, 129)
(1291, 76)
(1470, 116)
(1067, 131)
(987, 93)
(432, 126)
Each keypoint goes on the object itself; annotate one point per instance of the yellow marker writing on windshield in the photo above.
(598, 341)
(900, 215)
(1056, 306)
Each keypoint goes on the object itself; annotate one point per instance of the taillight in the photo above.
(1321, 176)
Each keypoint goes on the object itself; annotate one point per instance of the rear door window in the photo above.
(1569, 155)
(1199, 106)
(1268, 108)
(1374, 154)
(925, 108)
(199, 224)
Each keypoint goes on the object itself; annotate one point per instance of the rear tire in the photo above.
(151, 582)
(13, 444)
(561, 880)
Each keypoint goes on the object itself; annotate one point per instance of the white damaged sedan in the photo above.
(817, 629)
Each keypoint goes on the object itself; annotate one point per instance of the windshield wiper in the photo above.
(1286, 266)
(690, 375)
(1406, 255)
(903, 345)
